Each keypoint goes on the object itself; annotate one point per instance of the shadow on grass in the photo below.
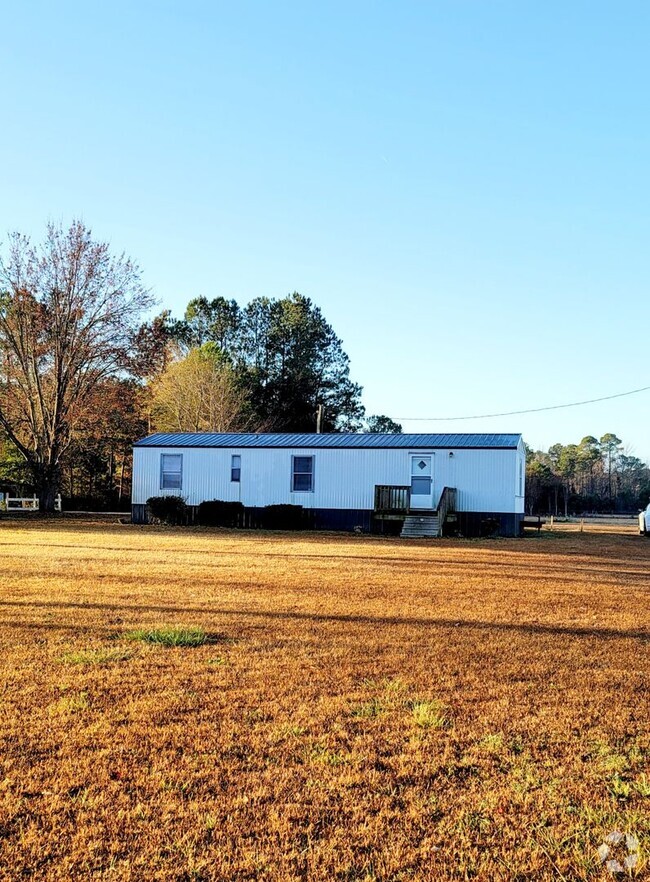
(591, 544)
(533, 629)
(609, 573)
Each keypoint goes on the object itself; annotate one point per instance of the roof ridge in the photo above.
(350, 440)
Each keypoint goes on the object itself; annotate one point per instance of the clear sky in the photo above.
(461, 186)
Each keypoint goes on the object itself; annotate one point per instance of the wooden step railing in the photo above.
(446, 504)
(391, 499)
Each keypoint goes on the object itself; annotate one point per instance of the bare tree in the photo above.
(68, 314)
(198, 393)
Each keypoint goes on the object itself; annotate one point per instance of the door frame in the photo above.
(421, 505)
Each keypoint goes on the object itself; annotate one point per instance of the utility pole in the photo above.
(319, 419)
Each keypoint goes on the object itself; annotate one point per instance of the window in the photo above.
(171, 471)
(235, 468)
(420, 486)
(521, 478)
(302, 476)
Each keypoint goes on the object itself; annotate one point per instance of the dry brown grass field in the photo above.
(363, 709)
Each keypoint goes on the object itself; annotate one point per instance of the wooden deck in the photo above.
(393, 502)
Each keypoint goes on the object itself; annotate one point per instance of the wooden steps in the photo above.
(421, 527)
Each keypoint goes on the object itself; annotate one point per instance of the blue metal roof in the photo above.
(361, 441)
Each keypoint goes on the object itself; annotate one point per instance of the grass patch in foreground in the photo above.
(70, 704)
(174, 635)
(429, 714)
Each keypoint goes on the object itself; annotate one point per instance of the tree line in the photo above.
(82, 375)
(596, 475)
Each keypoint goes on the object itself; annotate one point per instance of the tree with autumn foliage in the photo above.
(69, 313)
(96, 466)
(198, 393)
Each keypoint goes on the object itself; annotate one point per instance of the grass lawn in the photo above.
(186, 704)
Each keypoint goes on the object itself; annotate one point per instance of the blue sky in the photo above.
(462, 187)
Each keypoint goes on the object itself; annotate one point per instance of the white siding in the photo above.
(486, 479)
(520, 489)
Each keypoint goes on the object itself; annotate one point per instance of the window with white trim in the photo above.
(235, 468)
(302, 473)
(171, 471)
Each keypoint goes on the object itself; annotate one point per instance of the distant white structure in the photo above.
(346, 481)
(28, 503)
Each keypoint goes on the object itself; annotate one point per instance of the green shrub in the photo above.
(217, 513)
(167, 510)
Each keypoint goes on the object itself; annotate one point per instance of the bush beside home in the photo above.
(171, 510)
(218, 513)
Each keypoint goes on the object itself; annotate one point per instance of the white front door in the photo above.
(422, 481)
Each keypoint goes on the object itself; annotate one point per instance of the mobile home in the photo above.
(471, 483)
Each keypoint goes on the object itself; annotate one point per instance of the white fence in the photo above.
(28, 503)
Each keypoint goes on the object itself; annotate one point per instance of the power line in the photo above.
(483, 416)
